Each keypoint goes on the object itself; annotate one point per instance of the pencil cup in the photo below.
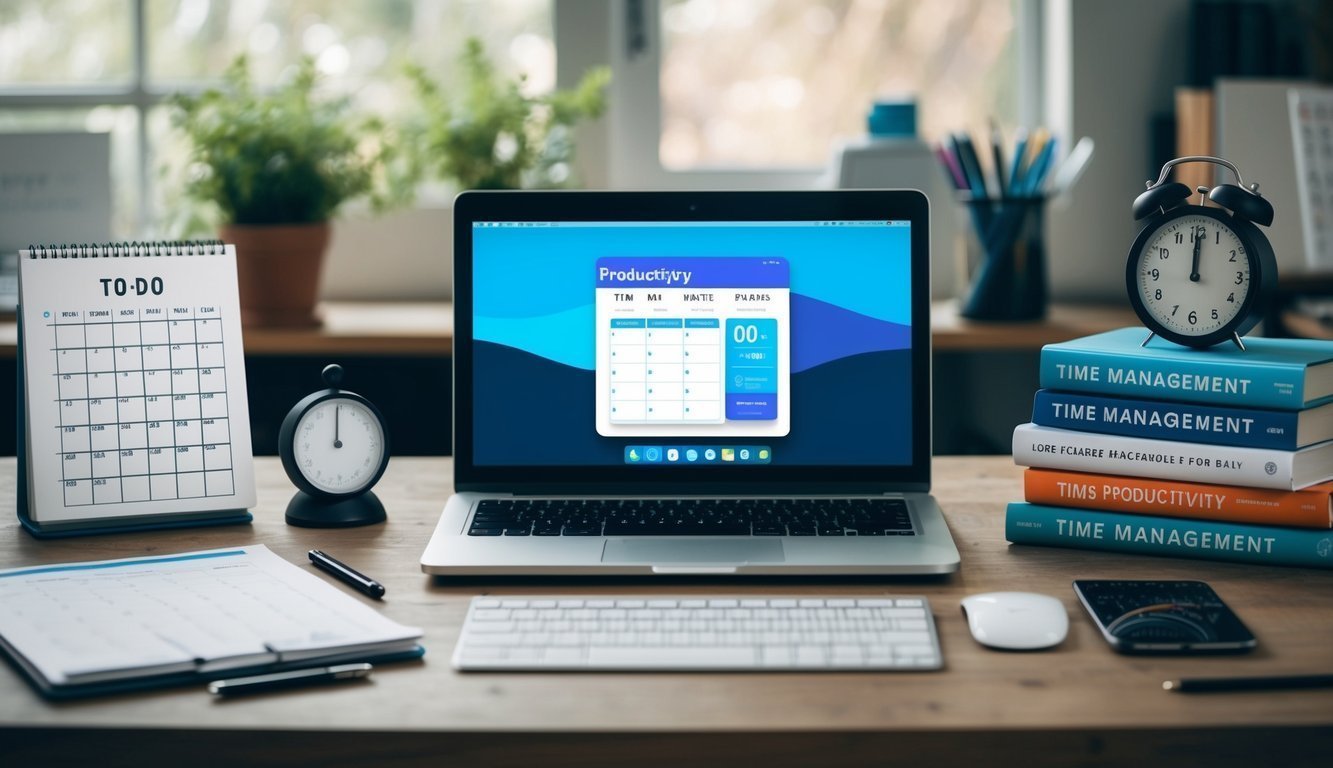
(1006, 259)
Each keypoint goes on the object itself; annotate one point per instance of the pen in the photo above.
(997, 152)
(361, 582)
(1219, 684)
(292, 679)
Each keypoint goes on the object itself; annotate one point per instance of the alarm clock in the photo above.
(334, 447)
(1199, 275)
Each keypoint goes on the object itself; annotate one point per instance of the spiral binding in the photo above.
(127, 249)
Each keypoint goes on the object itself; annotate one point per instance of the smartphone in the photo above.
(1163, 617)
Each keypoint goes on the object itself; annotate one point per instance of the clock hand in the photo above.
(337, 411)
(1198, 243)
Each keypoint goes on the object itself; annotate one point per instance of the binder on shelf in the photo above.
(132, 409)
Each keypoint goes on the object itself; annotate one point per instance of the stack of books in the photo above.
(1159, 449)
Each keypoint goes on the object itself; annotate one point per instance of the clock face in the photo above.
(339, 445)
(1193, 275)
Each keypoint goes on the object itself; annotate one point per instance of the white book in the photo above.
(1051, 448)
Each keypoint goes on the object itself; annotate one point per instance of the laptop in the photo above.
(684, 383)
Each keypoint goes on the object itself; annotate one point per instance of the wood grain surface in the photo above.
(1079, 703)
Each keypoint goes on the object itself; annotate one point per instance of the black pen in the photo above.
(292, 679)
(1220, 684)
(363, 583)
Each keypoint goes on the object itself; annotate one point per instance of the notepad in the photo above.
(85, 627)
(133, 399)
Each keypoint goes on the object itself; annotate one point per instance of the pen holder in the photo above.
(1006, 259)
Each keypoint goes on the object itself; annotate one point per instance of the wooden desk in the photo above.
(1080, 704)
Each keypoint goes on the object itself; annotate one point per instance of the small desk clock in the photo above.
(334, 447)
(1199, 275)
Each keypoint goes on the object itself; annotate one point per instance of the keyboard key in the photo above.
(679, 657)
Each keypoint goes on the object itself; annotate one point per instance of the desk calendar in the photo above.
(134, 405)
(1312, 136)
(693, 346)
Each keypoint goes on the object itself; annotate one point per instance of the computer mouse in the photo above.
(1016, 621)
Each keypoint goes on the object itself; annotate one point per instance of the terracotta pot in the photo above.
(278, 268)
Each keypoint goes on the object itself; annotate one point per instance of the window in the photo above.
(107, 65)
(757, 92)
(765, 83)
(704, 92)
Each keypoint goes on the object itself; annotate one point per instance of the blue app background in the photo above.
(534, 322)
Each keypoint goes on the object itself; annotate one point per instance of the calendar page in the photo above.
(1312, 129)
(693, 347)
(135, 385)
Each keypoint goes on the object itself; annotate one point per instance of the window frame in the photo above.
(135, 94)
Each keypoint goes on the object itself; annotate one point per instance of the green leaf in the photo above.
(489, 135)
(285, 155)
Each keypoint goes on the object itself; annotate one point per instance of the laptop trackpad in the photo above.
(667, 551)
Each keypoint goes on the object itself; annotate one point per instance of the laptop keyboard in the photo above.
(692, 517)
(674, 633)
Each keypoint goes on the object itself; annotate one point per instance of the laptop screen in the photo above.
(716, 345)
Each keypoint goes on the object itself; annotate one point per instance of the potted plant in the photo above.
(272, 167)
(492, 135)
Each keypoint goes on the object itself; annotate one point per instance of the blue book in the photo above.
(1184, 422)
(1168, 536)
(1286, 374)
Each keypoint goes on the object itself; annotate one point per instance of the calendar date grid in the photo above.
(143, 405)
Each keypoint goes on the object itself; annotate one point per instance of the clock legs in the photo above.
(1235, 339)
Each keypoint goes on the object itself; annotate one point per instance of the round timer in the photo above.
(334, 447)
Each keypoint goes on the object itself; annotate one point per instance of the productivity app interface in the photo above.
(693, 347)
(692, 343)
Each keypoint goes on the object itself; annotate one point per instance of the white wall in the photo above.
(405, 255)
(1110, 66)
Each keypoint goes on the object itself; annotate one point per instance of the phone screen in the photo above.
(1163, 616)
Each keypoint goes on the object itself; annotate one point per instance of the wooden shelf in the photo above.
(427, 328)
(349, 328)
(952, 333)
(363, 328)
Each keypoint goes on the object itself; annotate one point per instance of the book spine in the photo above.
(1172, 537)
(1206, 380)
(1049, 448)
(1157, 420)
(1308, 508)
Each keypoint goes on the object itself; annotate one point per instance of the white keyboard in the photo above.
(655, 633)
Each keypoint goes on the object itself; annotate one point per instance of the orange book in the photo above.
(1310, 507)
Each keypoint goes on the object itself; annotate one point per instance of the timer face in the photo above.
(1193, 275)
(339, 445)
